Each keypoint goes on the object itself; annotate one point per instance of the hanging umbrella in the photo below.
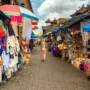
(14, 10)
(35, 33)
(86, 28)
(34, 27)
(34, 22)
(34, 37)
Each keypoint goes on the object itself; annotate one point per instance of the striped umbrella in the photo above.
(14, 10)
(34, 27)
(35, 33)
(34, 37)
(34, 22)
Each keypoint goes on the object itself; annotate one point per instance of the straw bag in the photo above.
(1, 61)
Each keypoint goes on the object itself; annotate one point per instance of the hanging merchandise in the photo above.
(9, 50)
(6, 60)
(34, 27)
(34, 22)
(3, 31)
(58, 38)
(35, 33)
(16, 18)
(34, 37)
(1, 73)
(27, 28)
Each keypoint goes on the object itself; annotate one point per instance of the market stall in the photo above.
(15, 33)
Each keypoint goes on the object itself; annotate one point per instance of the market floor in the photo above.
(54, 74)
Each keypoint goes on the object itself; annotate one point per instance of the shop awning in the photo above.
(3, 16)
(74, 20)
(57, 30)
(86, 28)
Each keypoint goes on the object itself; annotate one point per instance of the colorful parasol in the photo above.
(35, 33)
(34, 22)
(14, 10)
(34, 37)
(34, 27)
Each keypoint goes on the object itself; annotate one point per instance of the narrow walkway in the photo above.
(54, 74)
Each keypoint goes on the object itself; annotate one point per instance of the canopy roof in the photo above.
(86, 28)
(74, 20)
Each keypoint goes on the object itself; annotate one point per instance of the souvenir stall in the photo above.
(77, 57)
(3, 33)
(13, 55)
(60, 47)
(86, 40)
(75, 45)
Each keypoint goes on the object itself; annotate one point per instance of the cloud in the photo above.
(40, 24)
(63, 7)
(58, 8)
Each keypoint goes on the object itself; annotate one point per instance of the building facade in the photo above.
(54, 24)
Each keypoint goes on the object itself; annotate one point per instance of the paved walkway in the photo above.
(54, 74)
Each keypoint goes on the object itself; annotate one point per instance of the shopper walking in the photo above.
(43, 49)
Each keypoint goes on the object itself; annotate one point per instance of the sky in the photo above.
(51, 9)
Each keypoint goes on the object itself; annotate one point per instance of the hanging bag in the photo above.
(85, 66)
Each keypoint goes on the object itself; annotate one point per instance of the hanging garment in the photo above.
(3, 28)
(1, 50)
(0, 74)
(16, 18)
(20, 62)
(17, 46)
(12, 57)
(2, 33)
(7, 49)
(11, 41)
(9, 73)
(27, 29)
(6, 60)
(58, 38)
(4, 40)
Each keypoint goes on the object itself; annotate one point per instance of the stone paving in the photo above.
(53, 74)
